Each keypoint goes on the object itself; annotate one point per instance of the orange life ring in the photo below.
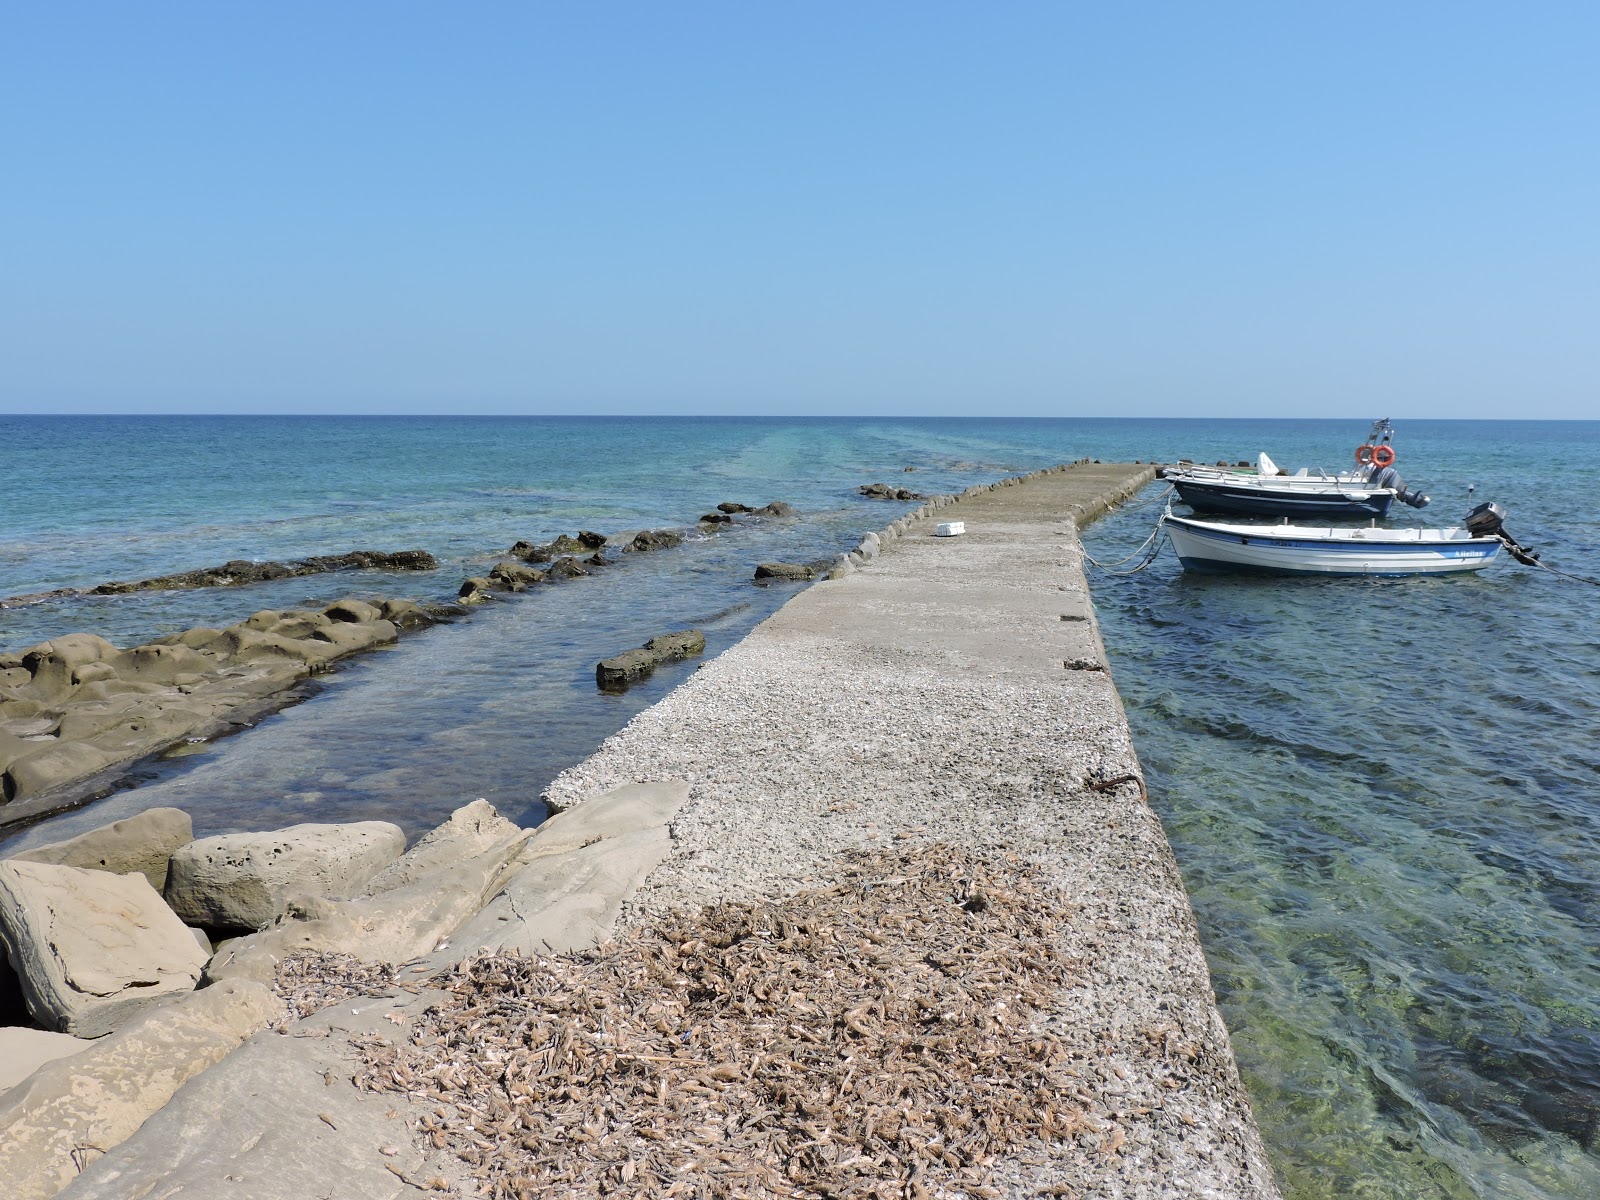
(1383, 456)
(1364, 455)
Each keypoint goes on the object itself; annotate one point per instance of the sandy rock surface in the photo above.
(471, 830)
(23, 1051)
(69, 1112)
(91, 949)
(141, 843)
(245, 880)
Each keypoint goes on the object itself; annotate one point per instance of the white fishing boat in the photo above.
(1214, 546)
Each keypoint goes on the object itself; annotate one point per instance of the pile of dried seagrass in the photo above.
(310, 980)
(874, 1039)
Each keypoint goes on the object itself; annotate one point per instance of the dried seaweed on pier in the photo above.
(873, 1039)
(310, 980)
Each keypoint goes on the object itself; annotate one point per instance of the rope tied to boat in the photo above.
(1150, 548)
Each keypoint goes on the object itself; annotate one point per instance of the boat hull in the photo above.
(1272, 550)
(1256, 501)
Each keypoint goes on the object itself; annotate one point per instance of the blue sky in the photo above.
(1228, 209)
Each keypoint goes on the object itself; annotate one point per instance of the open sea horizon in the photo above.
(1384, 795)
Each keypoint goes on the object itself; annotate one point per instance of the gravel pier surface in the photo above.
(954, 690)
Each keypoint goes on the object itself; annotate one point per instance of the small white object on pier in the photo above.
(949, 529)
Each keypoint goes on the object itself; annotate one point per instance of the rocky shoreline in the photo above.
(926, 701)
(243, 571)
(76, 710)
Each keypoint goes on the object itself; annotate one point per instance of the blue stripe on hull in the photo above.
(1202, 498)
(1214, 566)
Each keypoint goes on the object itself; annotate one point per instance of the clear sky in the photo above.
(1116, 209)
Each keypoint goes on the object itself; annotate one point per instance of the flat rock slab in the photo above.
(245, 880)
(280, 1119)
(68, 1112)
(471, 830)
(92, 949)
(141, 843)
(23, 1051)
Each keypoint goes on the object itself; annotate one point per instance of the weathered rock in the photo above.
(244, 880)
(392, 926)
(633, 665)
(471, 830)
(882, 491)
(141, 843)
(70, 1111)
(76, 706)
(684, 644)
(716, 518)
(733, 506)
(514, 576)
(776, 508)
(353, 611)
(579, 868)
(51, 766)
(784, 570)
(566, 568)
(406, 614)
(475, 590)
(586, 542)
(655, 539)
(23, 1051)
(347, 637)
(243, 571)
(622, 669)
(92, 949)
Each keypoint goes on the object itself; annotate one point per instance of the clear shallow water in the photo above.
(1385, 797)
(496, 705)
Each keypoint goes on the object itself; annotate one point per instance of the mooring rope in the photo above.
(1564, 574)
(1144, 546)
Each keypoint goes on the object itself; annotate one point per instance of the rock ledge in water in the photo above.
(632, 665)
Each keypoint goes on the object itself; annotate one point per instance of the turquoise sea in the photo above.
(1384, 796)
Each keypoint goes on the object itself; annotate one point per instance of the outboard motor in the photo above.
(1486, 520)
(1388, 477)
(1489, 520)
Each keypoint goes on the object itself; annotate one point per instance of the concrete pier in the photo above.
(935, 690)
(956, 689)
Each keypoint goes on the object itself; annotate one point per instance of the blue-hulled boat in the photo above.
(1365, 492)
(1268, 494)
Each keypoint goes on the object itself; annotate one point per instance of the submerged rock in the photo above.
(882, 491)
(784, 570)
(242, 571)
(655, 539)
(630, 666)
(514, 576)
(566, 568)
(76, 706)
(586, 541)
